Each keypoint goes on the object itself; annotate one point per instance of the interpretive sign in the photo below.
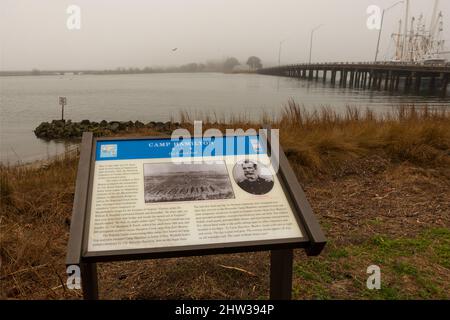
(161, 197)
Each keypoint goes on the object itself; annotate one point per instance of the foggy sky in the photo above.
(133, 33)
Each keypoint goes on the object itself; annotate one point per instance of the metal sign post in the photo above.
(62, 102)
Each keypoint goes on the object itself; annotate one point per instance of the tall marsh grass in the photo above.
(320, 140)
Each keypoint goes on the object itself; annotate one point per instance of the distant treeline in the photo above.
(230, 64)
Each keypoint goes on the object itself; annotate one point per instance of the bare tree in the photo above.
(254, 63)
(230, 63)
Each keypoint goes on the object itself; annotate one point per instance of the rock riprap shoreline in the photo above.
(66, 129)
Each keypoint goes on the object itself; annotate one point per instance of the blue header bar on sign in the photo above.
(167, 148)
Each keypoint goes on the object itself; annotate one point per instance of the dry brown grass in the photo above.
(36, 205)
(320, 141)
(329, 151)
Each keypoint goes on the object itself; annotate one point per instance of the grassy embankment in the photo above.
(379, 186)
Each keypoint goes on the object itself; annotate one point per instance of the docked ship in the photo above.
(419, 43)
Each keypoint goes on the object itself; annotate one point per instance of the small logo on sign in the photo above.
(108, 151)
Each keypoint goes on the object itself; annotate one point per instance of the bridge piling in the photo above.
(444, 86)
(369, 84)
(407, 83)
(432, 84)
(418, 82)
(369, 75)
(386, 81)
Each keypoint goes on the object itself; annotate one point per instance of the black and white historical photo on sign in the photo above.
(164, 182)
(253, 177)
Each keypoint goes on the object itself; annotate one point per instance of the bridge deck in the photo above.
(369, 75)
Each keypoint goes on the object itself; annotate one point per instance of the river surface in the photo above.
(26, 101)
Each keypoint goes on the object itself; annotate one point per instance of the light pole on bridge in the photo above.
(279, 52)
(311, 42)
(381, 27)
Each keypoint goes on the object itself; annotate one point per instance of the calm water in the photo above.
(27, 101)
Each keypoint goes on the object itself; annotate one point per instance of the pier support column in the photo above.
(444, 86)
(432, 84)
(369, 84)
(408, 80)
(391, 81)
(386, 81)
(418, 82)
(397, 82)
(324, 74)
(352, 78)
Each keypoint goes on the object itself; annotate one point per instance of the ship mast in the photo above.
(418, 41)
(398, 46)
(434, 19)
(405, 33)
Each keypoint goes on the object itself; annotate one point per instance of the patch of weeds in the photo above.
(346, 266)
(375, 222)
(398, 247)
(389, 293)
(326, 225)
(442, 247)
(403, 268)
(314, 269)
(400, 260)
(320, 292)
(306, 275)
(429, 289)
(338, 253)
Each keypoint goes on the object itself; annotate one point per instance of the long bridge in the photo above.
(388, 76)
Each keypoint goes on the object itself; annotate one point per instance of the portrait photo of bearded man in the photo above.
(248, 176)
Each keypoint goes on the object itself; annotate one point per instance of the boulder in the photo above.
(59, 129)
(139, 124)
(114, 126)
(58, 123)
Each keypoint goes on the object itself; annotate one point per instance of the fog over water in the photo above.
(138, 33)
(163, 33)
(29, 100)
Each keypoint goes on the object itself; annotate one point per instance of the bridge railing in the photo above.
(362, 64)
